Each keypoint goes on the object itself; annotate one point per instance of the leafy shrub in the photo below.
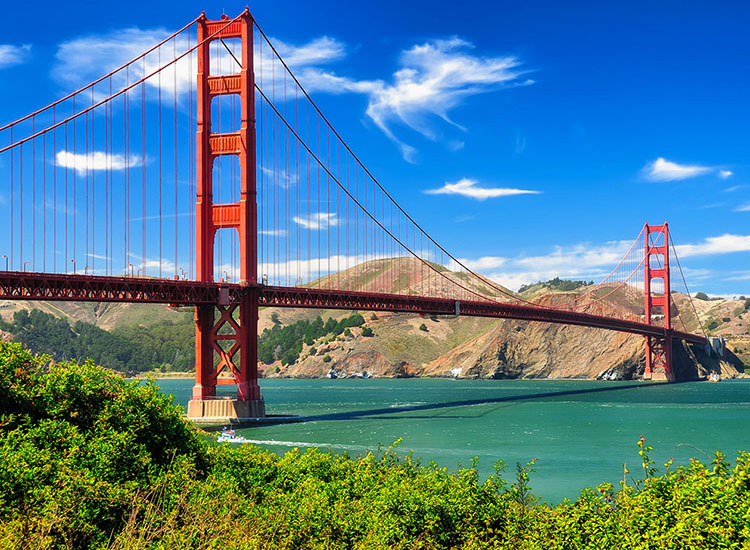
(367, 331)
(701, 296)
(327, 358)
(88, 460)
(423, 327)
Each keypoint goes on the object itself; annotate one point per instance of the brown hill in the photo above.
(413, 345)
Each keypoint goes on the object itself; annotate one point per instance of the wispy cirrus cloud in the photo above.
(430, 81)
(664, 170)
(11, 55)
(725, 174)
(743, 208)
(469, 188)
(85, 58)
(95, 161)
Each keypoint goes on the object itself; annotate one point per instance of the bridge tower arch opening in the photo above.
(657, 298)
(226, 333)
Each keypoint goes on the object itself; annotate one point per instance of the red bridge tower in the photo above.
(226, 334)
(657, 302)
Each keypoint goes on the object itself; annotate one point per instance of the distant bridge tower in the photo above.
(657, 302)
(226, 334)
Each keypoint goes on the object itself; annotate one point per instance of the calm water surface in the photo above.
(581, 432)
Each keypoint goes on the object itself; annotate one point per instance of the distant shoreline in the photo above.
(163, 376)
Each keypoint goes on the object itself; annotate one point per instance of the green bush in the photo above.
(88, 460)
(423, 327)
(367, 331)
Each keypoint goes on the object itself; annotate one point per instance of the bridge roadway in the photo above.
(17, 285)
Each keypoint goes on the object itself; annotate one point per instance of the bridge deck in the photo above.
(16, 285)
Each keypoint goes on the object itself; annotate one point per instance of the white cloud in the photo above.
(724, 174)
(665, 170)
(480, 264)
(468, 188)
(97, 160)
(84, 59)
(317, 221)
(743, 208)
(13, 55)
(273, 232)
(432, 79)
(733, 188)
(581, 261)
(589, 262)
(319, 51)
(739, 276)
(722, 244)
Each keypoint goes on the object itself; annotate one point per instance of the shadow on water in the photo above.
(386, 412)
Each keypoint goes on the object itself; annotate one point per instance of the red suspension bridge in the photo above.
(110, 197)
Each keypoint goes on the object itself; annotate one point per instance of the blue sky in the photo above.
(531, 139)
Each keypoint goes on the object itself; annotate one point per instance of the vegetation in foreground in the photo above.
(89, 460)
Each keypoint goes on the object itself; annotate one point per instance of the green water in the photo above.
(580, 438)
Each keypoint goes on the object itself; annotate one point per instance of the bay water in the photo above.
(580, 432)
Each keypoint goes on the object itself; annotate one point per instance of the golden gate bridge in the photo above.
(201, 173)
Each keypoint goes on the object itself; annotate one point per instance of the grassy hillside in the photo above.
(398, 345)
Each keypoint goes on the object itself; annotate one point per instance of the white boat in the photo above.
(229, 436)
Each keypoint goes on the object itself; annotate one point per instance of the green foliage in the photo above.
(712, 325)
(327, 358)
(367, 331)
(373, 317)
(167, 346)
(90, 461)
(423, 327)
(285, 342)
(556, 284)
(701, 296)
(77, 445)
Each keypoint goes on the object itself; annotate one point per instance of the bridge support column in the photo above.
(658, 303)
(659, 359)
(226, 341)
